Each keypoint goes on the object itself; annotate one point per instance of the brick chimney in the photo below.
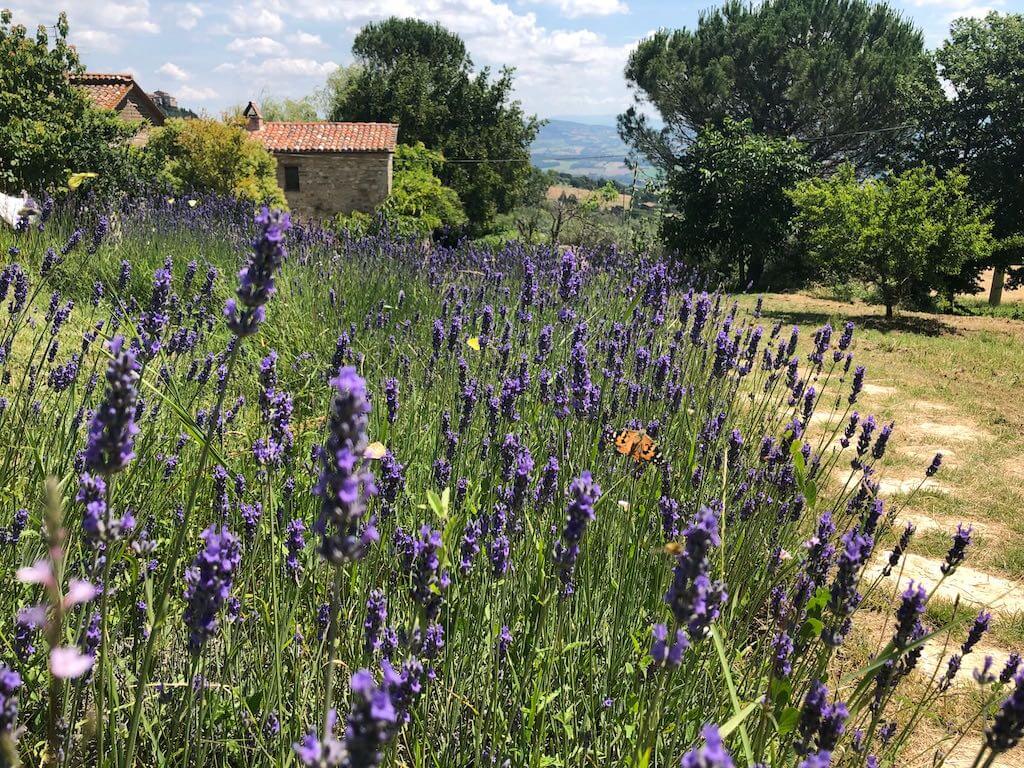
(253, 116)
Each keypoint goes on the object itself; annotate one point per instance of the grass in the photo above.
(529, 672)
(952, 371)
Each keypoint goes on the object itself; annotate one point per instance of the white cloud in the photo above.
(576, 8)
(198, 94)
(91, 40)
(189, 15)
(260, 20)
(173, 71)
(297, 67)
(128, 15)
(308, 40)
(257, 46)
(557, 70)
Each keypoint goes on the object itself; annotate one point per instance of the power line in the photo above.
(825, 137)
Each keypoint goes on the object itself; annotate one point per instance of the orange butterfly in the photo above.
(638, 445)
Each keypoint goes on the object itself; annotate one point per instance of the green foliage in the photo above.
(420, 76)
(730, 209)
(800, 68)
(981, 125)
(908, 234)
(49, 128)
(305, 109)
(213, 156)
(419, 204)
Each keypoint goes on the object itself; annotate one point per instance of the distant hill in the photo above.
(571, 147)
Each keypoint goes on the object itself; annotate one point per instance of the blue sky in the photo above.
(569, 54)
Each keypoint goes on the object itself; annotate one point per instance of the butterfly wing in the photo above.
(646, 450)
(626, 441)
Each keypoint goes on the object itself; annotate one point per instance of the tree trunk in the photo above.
(995, 295)
(888, 311)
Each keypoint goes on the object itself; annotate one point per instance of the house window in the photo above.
(291, 178)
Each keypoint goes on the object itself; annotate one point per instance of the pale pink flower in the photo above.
(38, 573)
(68, 662)
(79, 592)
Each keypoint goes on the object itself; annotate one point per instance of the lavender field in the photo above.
(275, 496)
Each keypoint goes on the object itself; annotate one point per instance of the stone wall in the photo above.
(136, 109)
(332, 183)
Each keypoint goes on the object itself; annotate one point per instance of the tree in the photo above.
(49, 128)
(297, 110)
(419, 204)
(420, 76)
(214, 156)
(729, 207)
(981, 125)
(803, 69)
(908, 233)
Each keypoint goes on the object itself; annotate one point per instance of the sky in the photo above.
(568, 54)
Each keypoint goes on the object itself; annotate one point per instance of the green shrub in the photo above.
(211, 156)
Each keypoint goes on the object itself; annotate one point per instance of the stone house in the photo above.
(120, 93)
(328, 168)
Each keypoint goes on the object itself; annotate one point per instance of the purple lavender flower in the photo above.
(782, 653)
(10, 682)
(584, 493)
(712, 755)
(256, 279)
(933, 468)
(208, 583)
(1010, 668)
(110, 444)
(978, 629)
(696, 600)
(958, 549)
(294, 542)
(391, 398)
(345, 483)
(428, 581)
(908, 616)
(1008, 727)
(666, 653)
(376, 620)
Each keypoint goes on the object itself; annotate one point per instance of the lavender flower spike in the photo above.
(111, 440)
(256, 279)
(208, 583)
(345, 483)
(584, 492)
(712, 755)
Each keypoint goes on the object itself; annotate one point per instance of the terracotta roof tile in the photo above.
(105, 90)
(327, 137)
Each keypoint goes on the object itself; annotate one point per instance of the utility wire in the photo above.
(619, 156)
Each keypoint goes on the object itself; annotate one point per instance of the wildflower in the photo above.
(957, 550)
(67, 662)
(1008, 727)
(294, 542)
(376, 620)
(1010, 669)
(10, 682)
(110, 444)
(782, 647)
(391, 398)
(712, 755)
(256, 279)
(208, 583)
(908, 616)
(933, 468)
(857, 385)
(695, 600)
(345, 483)
(427, 579)
(584, 492)
(665, 653)
(979, 628)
